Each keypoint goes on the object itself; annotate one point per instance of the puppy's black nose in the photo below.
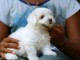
(50, 21)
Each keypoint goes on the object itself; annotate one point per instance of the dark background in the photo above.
(78, 1)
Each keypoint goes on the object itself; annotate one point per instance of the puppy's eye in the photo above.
(42, 17)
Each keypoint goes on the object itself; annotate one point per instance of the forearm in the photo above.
(71, 46)
(4, 31)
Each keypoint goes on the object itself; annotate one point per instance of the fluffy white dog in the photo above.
(35, 36)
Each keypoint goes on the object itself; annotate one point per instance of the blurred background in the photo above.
(78, 1)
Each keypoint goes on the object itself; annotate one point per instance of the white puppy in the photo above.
(35, 36)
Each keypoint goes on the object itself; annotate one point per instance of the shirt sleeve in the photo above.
(71, 7)
(4, 11)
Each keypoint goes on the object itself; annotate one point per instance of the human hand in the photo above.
(8, 43)
(57, 35)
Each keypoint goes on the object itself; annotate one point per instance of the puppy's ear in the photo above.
(32, 19)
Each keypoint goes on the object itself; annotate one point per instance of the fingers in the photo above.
(2, 55)
(11, 45)
(5, 50)
(59, 26)
(11, 40)
(57, 30)
(8, 43)
(57, 34)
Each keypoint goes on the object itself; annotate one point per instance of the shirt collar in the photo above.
(33, 4)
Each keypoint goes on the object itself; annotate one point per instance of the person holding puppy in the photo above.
(65, 35)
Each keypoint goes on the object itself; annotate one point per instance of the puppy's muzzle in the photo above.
(50, 21)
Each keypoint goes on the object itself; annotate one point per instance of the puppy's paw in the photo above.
(50, 53)
(33, 58)
(10, 56)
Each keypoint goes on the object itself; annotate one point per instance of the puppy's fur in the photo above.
(35, 36)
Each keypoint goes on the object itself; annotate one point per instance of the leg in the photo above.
(46, 50)
(31, 52)
(60, 56)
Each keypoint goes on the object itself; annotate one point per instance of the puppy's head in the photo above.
(41, 16)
